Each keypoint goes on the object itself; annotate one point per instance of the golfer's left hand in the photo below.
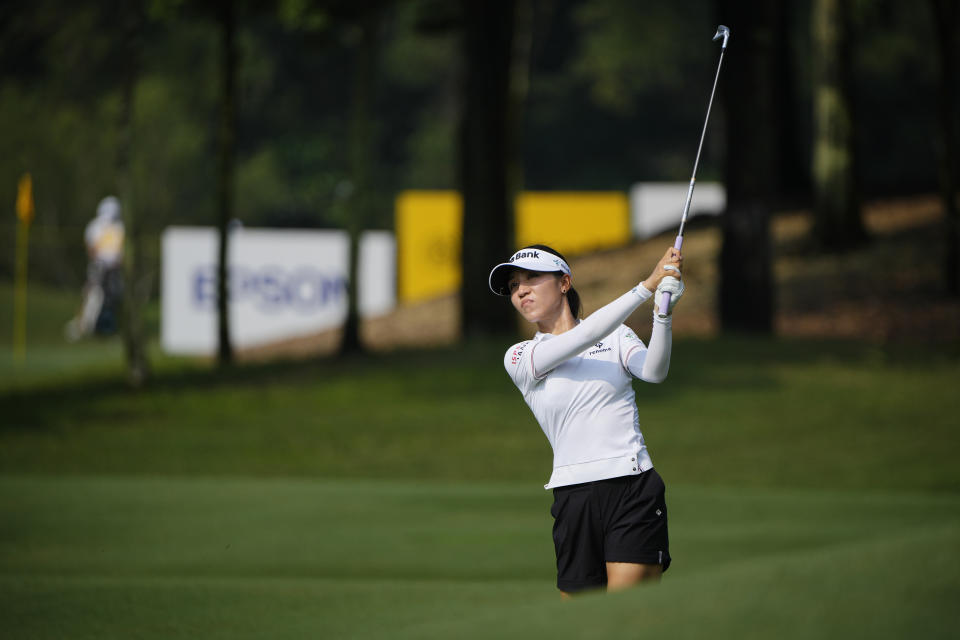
(671, 264)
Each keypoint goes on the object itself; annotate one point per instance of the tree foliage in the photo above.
(616, 92)
(838, 223)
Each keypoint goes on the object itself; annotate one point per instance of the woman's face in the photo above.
(537, 295)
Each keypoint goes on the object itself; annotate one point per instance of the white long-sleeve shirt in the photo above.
(579, 386)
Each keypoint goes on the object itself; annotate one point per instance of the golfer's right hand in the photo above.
(671, 264)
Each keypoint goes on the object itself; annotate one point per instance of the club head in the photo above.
(722, 32)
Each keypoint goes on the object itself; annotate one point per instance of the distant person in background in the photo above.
(609, 509)
(103, 290)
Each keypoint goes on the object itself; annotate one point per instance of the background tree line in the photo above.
(311, 113)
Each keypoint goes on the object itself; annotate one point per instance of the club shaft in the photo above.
(664, 306)
(703, 135)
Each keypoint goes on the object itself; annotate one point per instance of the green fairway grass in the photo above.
(812, 485)
(49, 358)
(737, 412)
(139, 557)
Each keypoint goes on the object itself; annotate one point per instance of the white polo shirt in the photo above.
(104, 238)
(584, 400)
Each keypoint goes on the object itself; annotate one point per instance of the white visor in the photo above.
(529, 259)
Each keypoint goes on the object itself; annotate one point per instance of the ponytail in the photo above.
(573, 299)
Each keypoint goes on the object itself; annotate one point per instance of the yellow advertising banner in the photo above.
(573, 222)
(429, 227)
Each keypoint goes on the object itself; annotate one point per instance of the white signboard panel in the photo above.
(283, 284)
(377, 280)
(656, 207)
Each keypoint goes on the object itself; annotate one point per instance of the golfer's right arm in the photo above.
(548, 354)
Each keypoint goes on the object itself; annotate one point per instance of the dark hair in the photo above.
(573, 298)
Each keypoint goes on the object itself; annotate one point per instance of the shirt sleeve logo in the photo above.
(517, 353)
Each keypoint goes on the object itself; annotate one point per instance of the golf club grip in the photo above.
(664, 305)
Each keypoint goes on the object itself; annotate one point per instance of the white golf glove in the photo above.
(674, 287)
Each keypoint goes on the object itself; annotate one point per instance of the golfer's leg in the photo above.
(621, 575)
(91, 309)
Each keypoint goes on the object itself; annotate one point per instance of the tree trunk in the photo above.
(793, 167)
(485, 160)
(748, 87)
(946, 16)
(225, 172)
(361, 157)
(517, 90)
(137, 288)
(837, 221)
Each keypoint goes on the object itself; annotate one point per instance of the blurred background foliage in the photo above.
(616, 95)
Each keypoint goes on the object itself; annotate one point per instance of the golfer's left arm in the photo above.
(653, 363)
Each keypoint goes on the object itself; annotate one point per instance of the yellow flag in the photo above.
(25, 199)
(25, 213)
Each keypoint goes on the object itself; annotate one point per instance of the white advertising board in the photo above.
(283, 284)
(656, 207)
(377, 273)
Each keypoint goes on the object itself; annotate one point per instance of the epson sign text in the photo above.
(281, 284)
(271, 288)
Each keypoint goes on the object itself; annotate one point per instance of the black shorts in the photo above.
(617, 520)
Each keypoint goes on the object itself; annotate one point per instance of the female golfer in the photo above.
(610, 518)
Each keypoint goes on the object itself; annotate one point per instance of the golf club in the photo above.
(722, 32)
